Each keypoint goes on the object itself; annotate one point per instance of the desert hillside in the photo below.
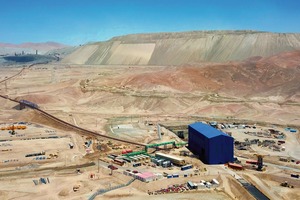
(274, 77)
(184, 48)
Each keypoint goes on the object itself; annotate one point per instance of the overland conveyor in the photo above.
(64, 123)
(72, 126)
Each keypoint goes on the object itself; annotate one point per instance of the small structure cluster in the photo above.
(143, 176)
(188, 186)
(203, 184)
(41, 181)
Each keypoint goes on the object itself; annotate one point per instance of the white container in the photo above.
(214, 181)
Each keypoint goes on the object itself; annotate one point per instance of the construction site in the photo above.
(149, 117)
(77, 152)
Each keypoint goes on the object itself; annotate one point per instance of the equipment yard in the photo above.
(38, 145)
(90, 132)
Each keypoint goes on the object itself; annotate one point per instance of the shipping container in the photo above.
(252, 162)
(175, 175)
(235, 166)
(295, 175)
(159, 162)
(201, 185)
(208, 184)
(214, 181)
(35, 154)
(190, 185)
(283, 159)
(114, 155)
(127, 159)
(129, 150)
(112, 167)
(186, 167)
(136, 164)
(119, 162)
(165, 164)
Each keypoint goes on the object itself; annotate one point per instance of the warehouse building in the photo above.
(211, 145)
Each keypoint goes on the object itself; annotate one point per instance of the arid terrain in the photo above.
(122, 88)
(29, 47)
(184, 48)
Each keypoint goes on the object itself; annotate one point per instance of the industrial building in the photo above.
(211, 145)
(173, 159)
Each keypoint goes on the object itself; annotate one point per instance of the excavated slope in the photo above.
(185, 47)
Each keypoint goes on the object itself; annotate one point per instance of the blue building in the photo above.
(211, 145)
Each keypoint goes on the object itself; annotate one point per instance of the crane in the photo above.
(260, 161)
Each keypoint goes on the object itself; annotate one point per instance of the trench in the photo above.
(256, 193)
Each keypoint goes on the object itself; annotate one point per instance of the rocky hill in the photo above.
(184, 48)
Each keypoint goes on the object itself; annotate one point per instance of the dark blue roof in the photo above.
(207, 130)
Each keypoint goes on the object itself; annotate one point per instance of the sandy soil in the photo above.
(132, 194)
(81, 55)
(100, 98)
(137, 54)
(60, 89)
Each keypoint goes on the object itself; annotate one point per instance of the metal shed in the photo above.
(210, 144)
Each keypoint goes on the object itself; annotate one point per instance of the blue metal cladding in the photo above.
(211, 145)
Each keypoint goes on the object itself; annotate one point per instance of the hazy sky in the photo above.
(80, 21)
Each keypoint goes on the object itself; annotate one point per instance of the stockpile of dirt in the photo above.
(182, 48)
